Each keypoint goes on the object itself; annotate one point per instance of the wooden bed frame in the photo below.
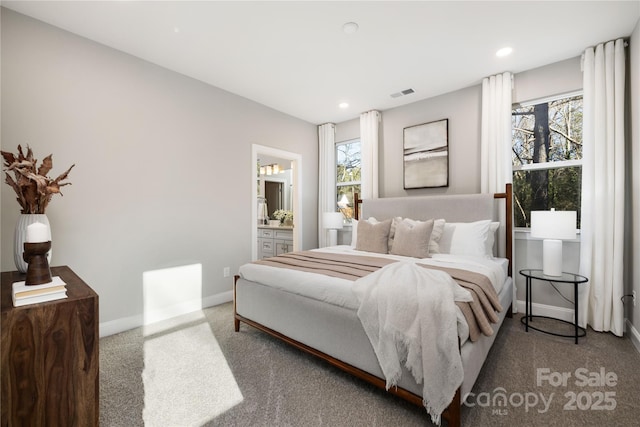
(453, 412)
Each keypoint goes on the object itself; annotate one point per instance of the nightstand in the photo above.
(50, 356)
(575, 279)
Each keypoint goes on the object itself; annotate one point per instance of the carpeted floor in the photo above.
(195, 371)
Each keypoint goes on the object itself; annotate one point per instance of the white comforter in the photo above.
(339, 291)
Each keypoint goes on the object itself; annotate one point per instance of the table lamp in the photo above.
(554, 227)
(332, 221)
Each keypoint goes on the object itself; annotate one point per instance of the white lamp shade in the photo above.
(332, 220)
(558, 225)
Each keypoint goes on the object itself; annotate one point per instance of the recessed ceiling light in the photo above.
(343, 105)
(176, 30)
(504, 52)
(350, 27)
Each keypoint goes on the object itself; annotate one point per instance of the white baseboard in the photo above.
(547, 310)
(126, 323)
(634, 335)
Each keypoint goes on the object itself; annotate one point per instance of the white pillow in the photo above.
(468, 238)
(491, 237)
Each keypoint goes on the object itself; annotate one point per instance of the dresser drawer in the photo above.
(266, 232)
(283, 234)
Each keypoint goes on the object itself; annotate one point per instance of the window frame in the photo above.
(346, 183)
(562, 164)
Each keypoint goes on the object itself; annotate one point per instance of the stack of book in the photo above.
(24, 295)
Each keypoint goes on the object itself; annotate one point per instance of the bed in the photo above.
(290, 304)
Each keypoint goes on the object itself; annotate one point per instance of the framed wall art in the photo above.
(426, 155)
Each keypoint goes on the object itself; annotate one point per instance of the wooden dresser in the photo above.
(50, 356)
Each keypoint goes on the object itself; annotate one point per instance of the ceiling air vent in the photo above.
(402, 93)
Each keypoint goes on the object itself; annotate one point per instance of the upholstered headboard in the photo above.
(454, 208)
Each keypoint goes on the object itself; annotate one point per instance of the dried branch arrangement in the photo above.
(33, 187)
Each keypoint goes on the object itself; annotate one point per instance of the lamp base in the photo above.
(552, 257)
(333, 237)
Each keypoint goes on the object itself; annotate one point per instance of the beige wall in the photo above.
(163, 164)
(463, 109)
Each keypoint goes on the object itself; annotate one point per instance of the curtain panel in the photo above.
(603, 192)
(369, 128)
(326, 177)
(495, 138)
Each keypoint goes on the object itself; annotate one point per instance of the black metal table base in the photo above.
(571, 278)
(581, 331)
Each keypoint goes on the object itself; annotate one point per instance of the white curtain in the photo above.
(369, 146)
(495, 144)
(495, 139)
(326, 177)
(603, 175)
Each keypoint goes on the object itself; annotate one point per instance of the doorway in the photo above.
(287, 197)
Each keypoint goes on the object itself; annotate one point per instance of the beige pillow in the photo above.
(392, 230)
(436, 235)
(373, 237)
(412, 238)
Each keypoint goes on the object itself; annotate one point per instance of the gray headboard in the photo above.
(454, 208)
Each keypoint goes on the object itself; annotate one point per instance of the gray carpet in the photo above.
(195, 371)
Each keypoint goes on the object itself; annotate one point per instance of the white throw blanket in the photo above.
(409, 315)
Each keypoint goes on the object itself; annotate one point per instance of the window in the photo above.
(547, 156)
(348, 177)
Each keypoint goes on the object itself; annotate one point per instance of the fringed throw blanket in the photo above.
(409, 315)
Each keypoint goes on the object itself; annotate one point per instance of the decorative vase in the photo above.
(20, 236)
(288, 223)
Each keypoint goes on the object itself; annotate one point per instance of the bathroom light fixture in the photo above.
(343, 105)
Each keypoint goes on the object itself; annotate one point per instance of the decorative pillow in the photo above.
(392, 231)
(491, 238)
(436, 235)
(412, 238)
(466, 238)
(373, 237)
(354, 232)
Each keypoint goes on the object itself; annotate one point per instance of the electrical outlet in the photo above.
(226, 272)
(634, 298)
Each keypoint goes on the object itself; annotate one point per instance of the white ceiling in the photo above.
(295, 58)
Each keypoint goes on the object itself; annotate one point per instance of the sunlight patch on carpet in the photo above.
(187, 380)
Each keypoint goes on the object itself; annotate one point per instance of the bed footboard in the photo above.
(452, 414)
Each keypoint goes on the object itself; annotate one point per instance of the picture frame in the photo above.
(426, 155)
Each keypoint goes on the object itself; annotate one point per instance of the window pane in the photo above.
(547, 132)
(348, 191)
(348, 160)
(546, 189)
